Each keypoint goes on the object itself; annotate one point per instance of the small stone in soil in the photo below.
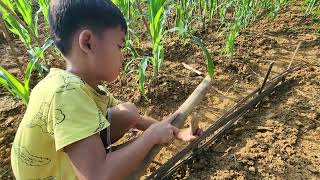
(1, 140)
(312, 169)
(252, 169)
(298, 123)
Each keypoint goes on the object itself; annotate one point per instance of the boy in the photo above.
(69, 120)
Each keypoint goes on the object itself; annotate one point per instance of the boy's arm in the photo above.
(90, 161)
(144, 122)
(130, 111)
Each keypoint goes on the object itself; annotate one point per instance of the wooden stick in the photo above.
(192, 69)
(184, 110)
(266, 77)
(195, 123)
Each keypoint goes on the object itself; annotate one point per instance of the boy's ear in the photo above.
(86, 40)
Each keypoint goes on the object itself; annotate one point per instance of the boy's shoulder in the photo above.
(62, 85)
(57, 81)
(62, 80)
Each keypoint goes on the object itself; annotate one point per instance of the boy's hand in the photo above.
(163, 132)
(187, 135)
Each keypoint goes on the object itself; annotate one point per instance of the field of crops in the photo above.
(171, 45)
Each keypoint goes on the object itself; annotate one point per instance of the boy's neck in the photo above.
(84, 74)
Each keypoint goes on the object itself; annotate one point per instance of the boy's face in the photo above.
(108, 56)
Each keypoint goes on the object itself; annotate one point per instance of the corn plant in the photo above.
(27, 27)
(223, 8)
(244, 14)
(212, 7)
(229, 47)
(16, 87)
(184, 14)
(126, 8)
(272, 6)
(157, 14)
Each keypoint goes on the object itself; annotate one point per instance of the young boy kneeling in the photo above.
(70, 121)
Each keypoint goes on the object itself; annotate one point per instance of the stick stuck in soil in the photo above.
(195, 123)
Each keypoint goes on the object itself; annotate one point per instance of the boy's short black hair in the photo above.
(66, 17)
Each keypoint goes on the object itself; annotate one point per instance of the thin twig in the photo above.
(294, 54)
(266, 77)
(4, 173)
(9, 41)
(255, 72)
(191, 69)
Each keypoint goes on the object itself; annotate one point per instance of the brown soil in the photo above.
(280, 140)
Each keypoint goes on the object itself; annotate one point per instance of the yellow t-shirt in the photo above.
(62, 109)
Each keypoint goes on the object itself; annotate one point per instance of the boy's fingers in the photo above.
(193, 138)
(175, 130)
(199, 132)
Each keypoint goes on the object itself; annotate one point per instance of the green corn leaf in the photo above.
(231, 39)
(207, 55)
(311, 4)
(160, 57)
(28, 75)
(158, 19)
(9, 4)
(179, 18)
(13, 85)
(142, 70)
(4, 83)
(44, 6)
(11, 80)
(25, 9)
(36, 53)
(36, 24)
